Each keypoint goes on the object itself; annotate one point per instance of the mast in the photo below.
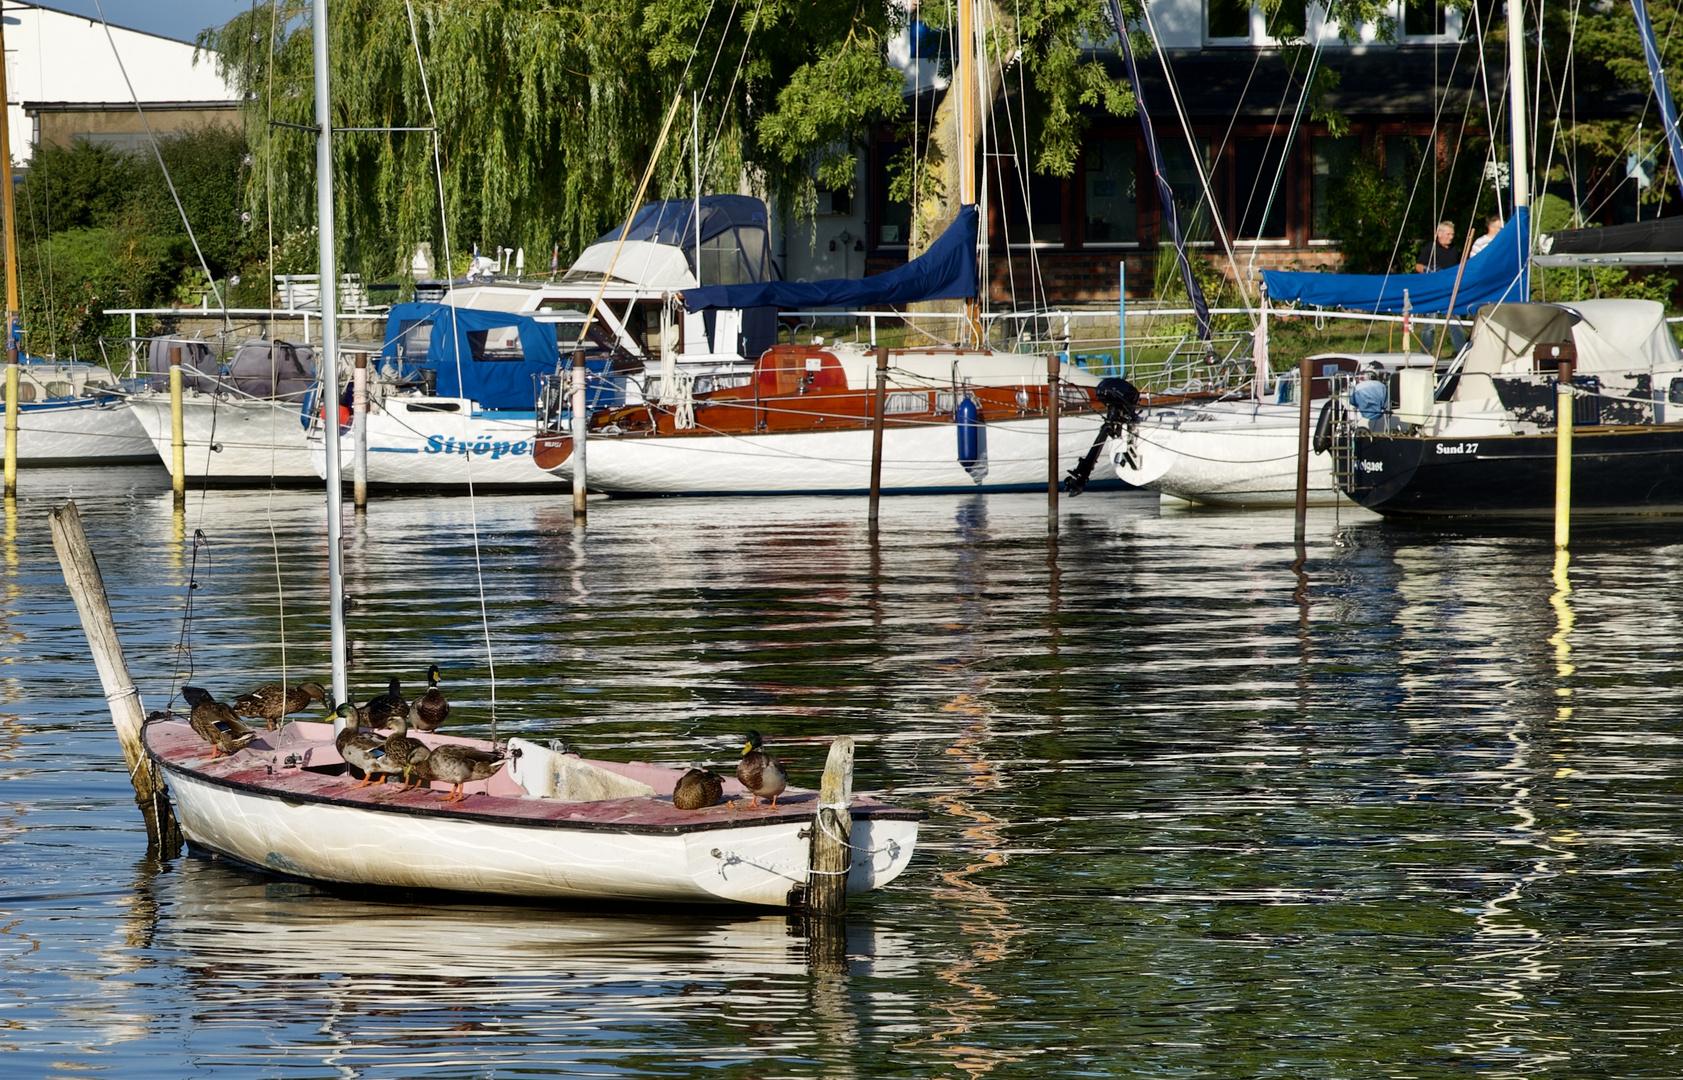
(328, 364)
(1516, 121)
(11, 463)
(966, 86)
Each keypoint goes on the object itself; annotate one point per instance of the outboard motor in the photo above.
(1122, 406)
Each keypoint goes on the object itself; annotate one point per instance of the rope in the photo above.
(819, 818)
(184, 642)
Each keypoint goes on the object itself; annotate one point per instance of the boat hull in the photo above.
(441, 442)
(1241, 454)
(81, 431)
(262, 811)
(230, 440)
(920, 459)
(1635, 469)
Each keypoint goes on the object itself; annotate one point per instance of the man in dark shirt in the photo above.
(1439, 253)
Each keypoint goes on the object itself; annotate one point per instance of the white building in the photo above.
(68, 66)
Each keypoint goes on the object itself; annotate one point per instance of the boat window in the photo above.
(413, 338)
(1676, 395)
(497, 343)
(61, 389)
(433, 406)
(945, 401)
(735, 257)
(1112, 193)
(906, 402)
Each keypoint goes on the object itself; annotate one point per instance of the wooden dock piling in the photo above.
(1052, 403)
(87, 588)
(177, 429)
(359, 432)
(831, 856)
(876, 436)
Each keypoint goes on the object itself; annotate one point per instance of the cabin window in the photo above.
(499, 343)
(414, 336)
(1331, 160)
(893, 216)
(1112, 192)
(906, 402)
(1260, 202)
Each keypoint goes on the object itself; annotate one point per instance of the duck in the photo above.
(272, 701)
(456, 764)
(362, 750)
(216, 723)
(402, 751)
(430, 709)
(698, 789)
(382, 710)
(760, 772)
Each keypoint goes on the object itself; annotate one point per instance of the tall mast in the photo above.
(328, 363)
(11, 462)
(1516, 104)
(966, 87)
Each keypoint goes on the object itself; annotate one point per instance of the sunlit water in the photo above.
(1190, 814)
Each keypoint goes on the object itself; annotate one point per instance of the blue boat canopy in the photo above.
(735, 243)
(947, 271)
(497, 353)
(1493, 276)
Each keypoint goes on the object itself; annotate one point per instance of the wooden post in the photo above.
(877, 414)
(12, 391)
(12, 300)
(359, 431)
(581, 422)
(1052, 443)
(831, 856)
(1305, 381)
(177, 436)
(1563, 455)
(87, 588)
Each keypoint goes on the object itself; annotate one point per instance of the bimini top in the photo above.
(1495, 275)
(659, 250)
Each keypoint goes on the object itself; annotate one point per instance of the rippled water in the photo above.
(1411, 814)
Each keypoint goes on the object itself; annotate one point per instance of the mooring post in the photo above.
(11, 416)
(1563, 451)
(177, 433)
(581, 425)
(879, 409)
(1305, 382)
(1052, 403)
(831, 856)
(359, 432)
(87, 588)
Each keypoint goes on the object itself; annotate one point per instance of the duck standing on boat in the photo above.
(760, 772)
(456, 765)
(385, 708)
(273, 701)
(216, 723)
(430, 709)
(362, 750)
(402, 752)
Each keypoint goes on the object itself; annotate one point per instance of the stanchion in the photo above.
(359, 432)
(878, 411)
(1052, 381)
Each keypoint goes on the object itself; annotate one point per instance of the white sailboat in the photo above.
(72, 413)
(542, 824)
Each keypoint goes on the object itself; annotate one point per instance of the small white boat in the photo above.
(72, 413)
(288, 805)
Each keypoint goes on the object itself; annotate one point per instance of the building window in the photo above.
(1033, 203)
(1423, 18)
(1228, 19)
(1112, 192)
(1331, 161)
(1289, 22)
(1190, 205)
(893, 218)
(1241, 22)
(1260, 202)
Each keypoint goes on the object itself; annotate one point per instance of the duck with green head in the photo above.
(362, 750)
(760, 772)
(430, 709)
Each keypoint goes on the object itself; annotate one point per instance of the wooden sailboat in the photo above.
(541, 824)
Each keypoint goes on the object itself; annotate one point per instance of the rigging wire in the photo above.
(718, 133)
(1285, 151)
(269, 200)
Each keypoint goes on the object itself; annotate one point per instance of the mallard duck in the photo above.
(216, 724)
(402, 751)
(430, 709)
(456, 765)
(760, 772)
(382, 710)
(362, 750)
(697, 790)
(271, 701)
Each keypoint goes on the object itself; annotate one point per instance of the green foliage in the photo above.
(1365, 214)
(1589, 283)
(89, 270)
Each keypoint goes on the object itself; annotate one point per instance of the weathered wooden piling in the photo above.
(831, 856)
(359, 432)
(581, 428)
(87, 588)
(1052, 403)
(177, 430)
(879, 410)
(1305, 380)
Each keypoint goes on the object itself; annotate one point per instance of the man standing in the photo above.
(1492, 226)
(1438, 253)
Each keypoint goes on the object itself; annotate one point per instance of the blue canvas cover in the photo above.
(947, 271)
(1493, 276)
(672, 221)
(496, 379)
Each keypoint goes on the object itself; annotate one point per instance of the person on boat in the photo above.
(1371, 398)
(1439, 253)
(1492, 226)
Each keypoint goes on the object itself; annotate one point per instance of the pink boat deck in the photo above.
(299, 763)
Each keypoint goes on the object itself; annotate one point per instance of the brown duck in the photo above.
(403, 753)
(697, 790)
(216, 724)
(382, 710)
(456, 765)
(362, 750)
(760, 772)
(271, 701)
(430, 709)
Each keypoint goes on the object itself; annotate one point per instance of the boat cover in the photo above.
(1494, 275)
(660, 245)
(199, 368)
(947, 271)
(1610, 335)
(273, 369)
(472, 359)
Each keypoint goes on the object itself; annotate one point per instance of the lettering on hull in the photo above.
(438, 444)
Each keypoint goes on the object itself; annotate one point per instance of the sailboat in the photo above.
(541, 823)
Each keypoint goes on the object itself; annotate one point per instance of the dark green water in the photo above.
(1189, 814)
